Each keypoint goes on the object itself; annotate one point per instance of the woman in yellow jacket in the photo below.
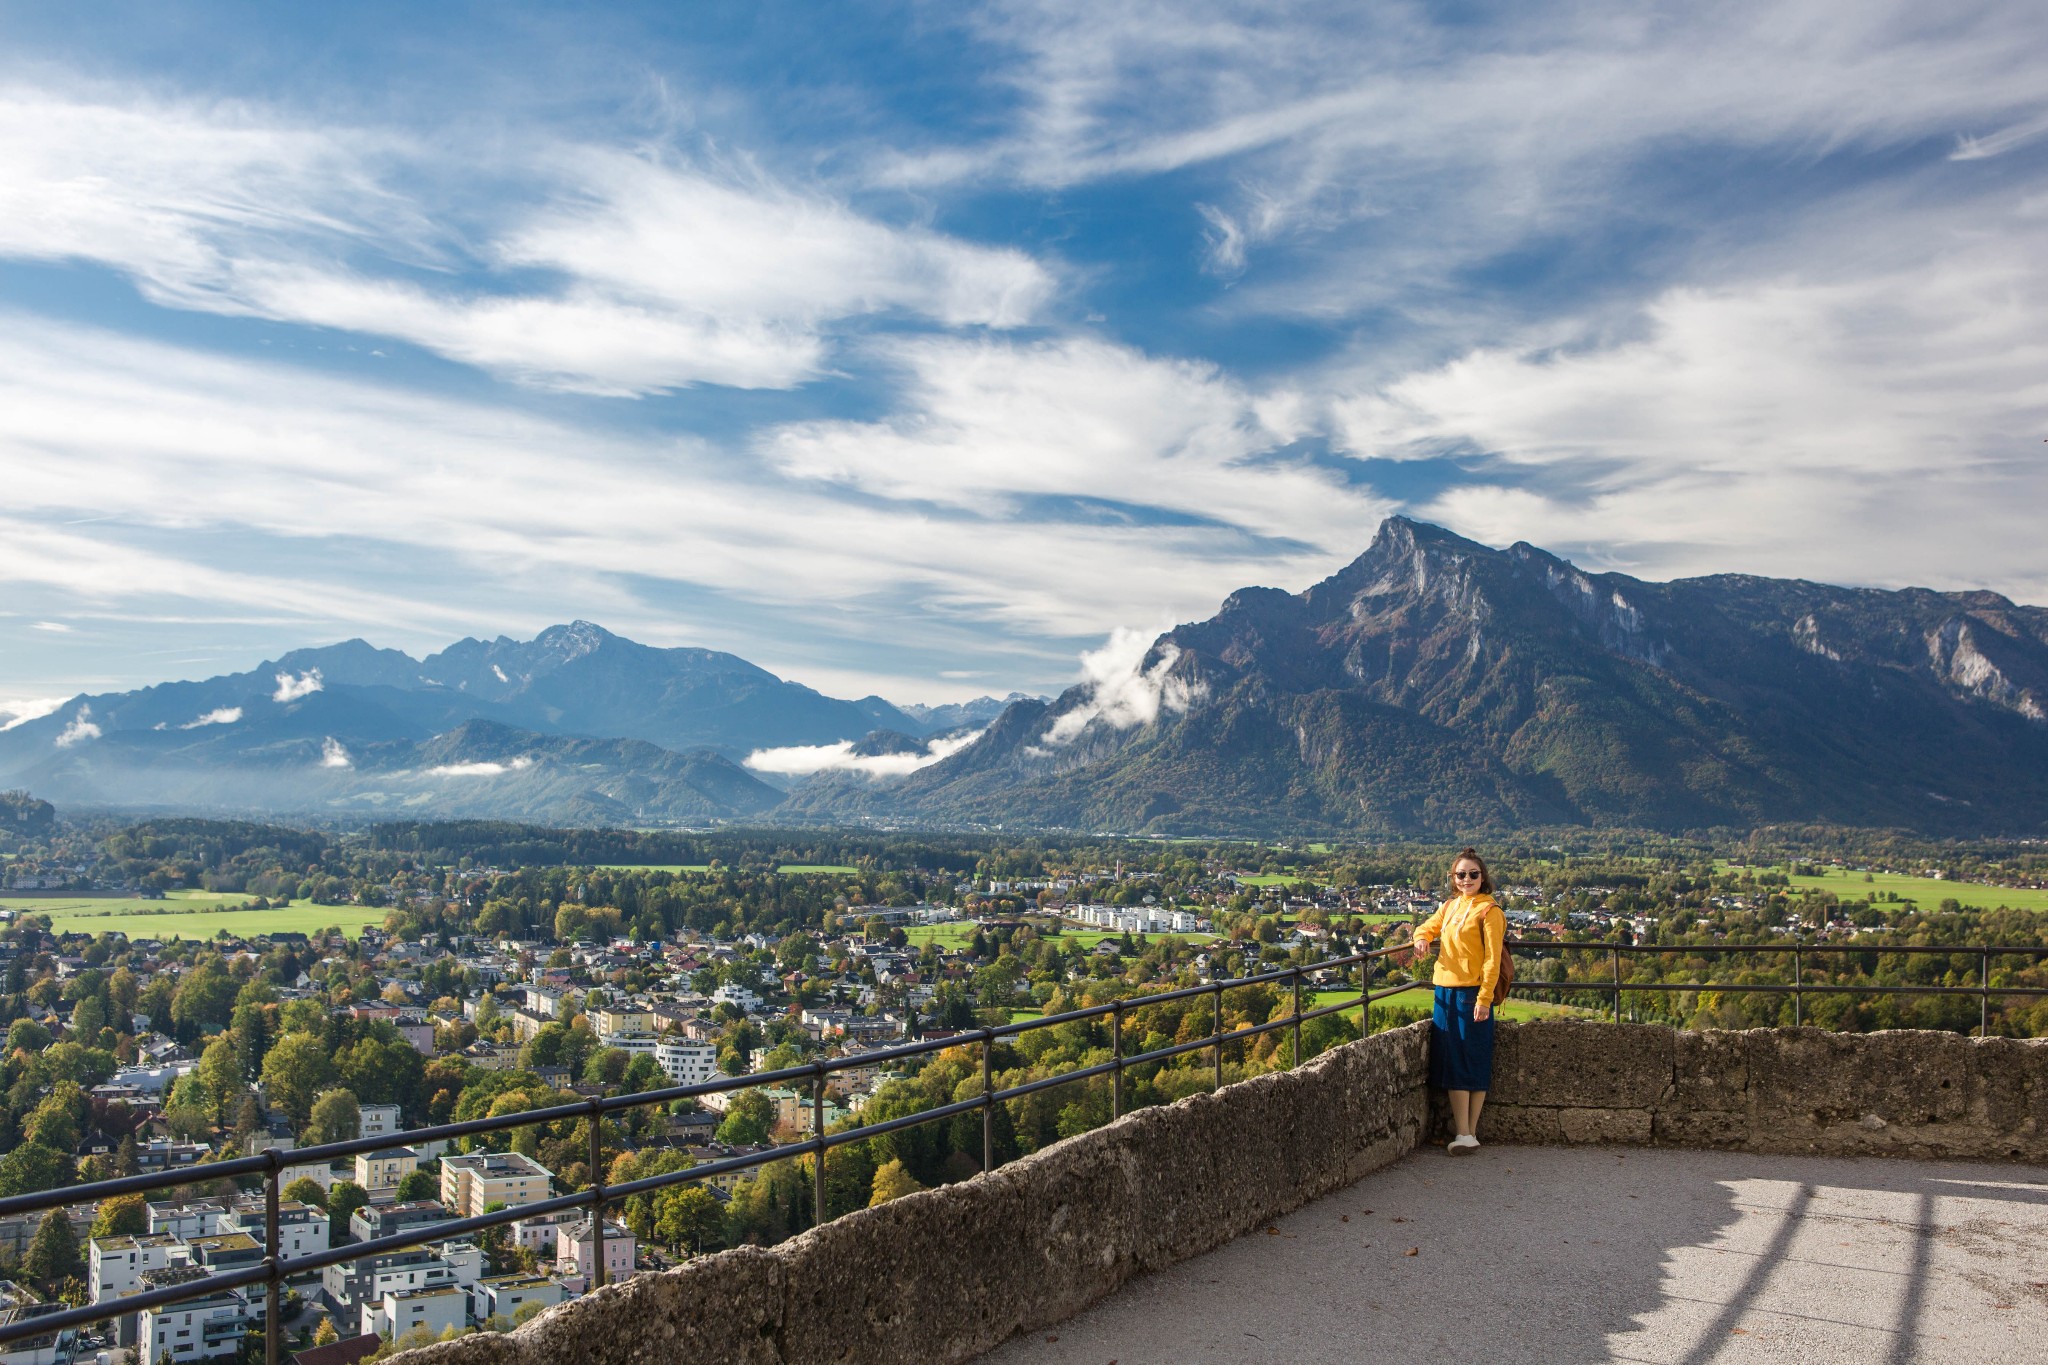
(1470, 929)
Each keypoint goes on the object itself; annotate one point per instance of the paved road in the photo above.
(1531, 1255)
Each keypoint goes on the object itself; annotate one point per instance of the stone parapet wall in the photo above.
(946, 1274)
(1908, 1093)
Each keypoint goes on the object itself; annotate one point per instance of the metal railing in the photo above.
(274, 1269)
(1798, 988)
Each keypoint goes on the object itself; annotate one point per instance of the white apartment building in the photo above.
(502, 1296)
(200, 1218)
(205, 1328)
(358, 1288)
(638, 1044)
(471, 1183)
(686, 1062)
(739, 997)
(301, 1228)
(378, 1120)
(115, 1265)
(404, 1310)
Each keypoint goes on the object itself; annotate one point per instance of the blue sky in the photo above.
(916, 348)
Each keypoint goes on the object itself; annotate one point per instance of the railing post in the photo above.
(1984, 989)
(818, 1136)
(1297, 1015)
(1614, 956)
(1364, 992)
(988, 1099)
(597, 1276)
(273, 1312)
(1116, 1052)
(1798, 988)
(1216, 1032)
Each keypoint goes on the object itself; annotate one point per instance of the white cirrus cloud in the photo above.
(334, 754)
(291, 687)
(608, 271)
(481, 768)
(224, 715)
(1123, 692)
(801, 760)
(81, 728)
(986, 424)
(535, 511)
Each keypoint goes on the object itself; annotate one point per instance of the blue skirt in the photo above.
(1460, 1049)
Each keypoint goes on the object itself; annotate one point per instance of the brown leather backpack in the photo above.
(1506, 983)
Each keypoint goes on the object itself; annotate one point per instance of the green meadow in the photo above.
(1514, 1011)
(1926, 892)
(192, 914)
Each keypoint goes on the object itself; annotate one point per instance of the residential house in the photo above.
(576, 1254)
(383, 1169)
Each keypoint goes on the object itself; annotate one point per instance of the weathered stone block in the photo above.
(1574, 1063)
(1082, 1220)
(1699, 1128)
(1604, 1125)
(1529, 1125)
(482, 1348)
(723, 1307)
(1710, 1072)
(931, 1276)
(1803, 1082)
(1176, 1186)
(1250, 1131)
(2008, 1095)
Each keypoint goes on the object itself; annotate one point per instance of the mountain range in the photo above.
(576, 726)
(1434, 685)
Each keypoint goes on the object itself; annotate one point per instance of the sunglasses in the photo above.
(1461, 876)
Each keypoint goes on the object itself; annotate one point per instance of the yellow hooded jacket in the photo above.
(1469, 931)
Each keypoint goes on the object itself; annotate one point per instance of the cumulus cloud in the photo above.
(224, 715)
(1122, 691)
(801, 760)
(290, 688)
(481, 768)
(22, 710)
(82, 727)
(333, 754)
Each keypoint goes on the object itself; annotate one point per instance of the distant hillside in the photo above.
(1438, 685)
(587, 726)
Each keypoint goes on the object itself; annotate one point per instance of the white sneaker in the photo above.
(1463, 1145)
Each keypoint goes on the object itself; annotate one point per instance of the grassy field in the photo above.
(56, 902)
(945, 935)
(195, 915)
(787, 869)
(1926, 892)
(1271, 879)
(1513, 1010)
